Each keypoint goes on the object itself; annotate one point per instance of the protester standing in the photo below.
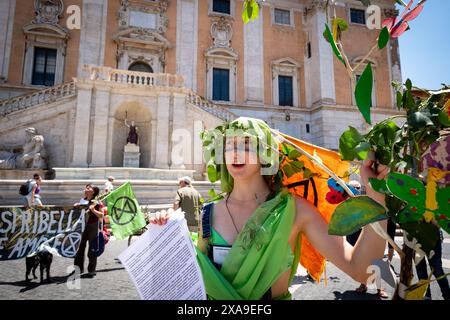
(435, 263)
(188, 199)
(90, 232)
(33, 198)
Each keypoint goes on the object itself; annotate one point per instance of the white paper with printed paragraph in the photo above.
(162, 263)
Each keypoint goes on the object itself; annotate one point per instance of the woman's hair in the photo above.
(96, 191)
(266, 143)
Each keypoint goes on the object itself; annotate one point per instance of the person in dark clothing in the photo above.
(353, 238)
(435, 263)
(91, 229)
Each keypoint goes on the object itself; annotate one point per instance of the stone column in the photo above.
(7, 9)
(186, 49)
(93, 31)
(319, 69)
(100, 132)
(82, 120)
(162, 131)
(254, 61)
(181, 146)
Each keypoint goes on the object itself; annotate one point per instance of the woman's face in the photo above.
(88, 191)
(241, 158)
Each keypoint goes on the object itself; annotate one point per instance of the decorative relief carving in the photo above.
(158, 8)
(48, 11)
(221, 32)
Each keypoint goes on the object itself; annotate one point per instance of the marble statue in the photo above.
(132, 134)
(33, 154)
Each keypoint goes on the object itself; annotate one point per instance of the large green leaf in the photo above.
(443, 212)
(410, 190)
(336, 51)
(354, 213)
(363, 92)
(407, 189)
(383, 38)
(212, 171)
(419, 120)
(444, 118)
(250, 11)
(352, 145)
(379, 185)
(425, 233)
(294, 154)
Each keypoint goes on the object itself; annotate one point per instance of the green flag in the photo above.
(124, 212)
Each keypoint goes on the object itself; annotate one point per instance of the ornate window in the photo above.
(222, 8)
(285, 91)
(140, 66)
(141, 35)
(46, 43)
(285, 82)
(221, 61)
(283, 17)
(357, 16)
(44, 67)
(221, 84)
(220, 68)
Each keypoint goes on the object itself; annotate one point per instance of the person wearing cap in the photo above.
(108, 185)
(188, 199)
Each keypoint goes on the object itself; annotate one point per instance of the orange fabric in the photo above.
(310, 258)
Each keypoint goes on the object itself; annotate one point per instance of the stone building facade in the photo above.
(174, 63)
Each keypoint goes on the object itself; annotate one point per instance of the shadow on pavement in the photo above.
(30, 285)
(353, 295)
(108, 270)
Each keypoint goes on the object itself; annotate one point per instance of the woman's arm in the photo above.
(98, 213)
(352, 260)
(33, 190)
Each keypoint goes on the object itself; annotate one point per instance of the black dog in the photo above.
(44, 260)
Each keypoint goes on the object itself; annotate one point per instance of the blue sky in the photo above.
(425, 49)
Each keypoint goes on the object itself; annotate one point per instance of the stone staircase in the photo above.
(26, 101)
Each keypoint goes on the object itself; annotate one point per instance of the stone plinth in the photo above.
(66, 192)
(120, 173)
(24, 174)
(131, 156)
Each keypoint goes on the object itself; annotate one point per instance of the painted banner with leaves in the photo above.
(24, 232)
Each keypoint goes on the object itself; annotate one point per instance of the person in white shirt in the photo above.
(108, 185)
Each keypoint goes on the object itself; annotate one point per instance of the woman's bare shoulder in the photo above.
(305, 211)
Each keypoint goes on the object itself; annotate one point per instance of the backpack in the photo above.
(24, 188)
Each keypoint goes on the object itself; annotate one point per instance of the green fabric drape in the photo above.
(260, 254)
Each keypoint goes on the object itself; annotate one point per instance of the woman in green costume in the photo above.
(249, 242)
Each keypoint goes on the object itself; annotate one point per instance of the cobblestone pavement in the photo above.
(112, 281)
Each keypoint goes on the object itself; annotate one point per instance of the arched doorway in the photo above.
(140, 67)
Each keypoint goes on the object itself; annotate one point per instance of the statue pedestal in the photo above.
(131, 155)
